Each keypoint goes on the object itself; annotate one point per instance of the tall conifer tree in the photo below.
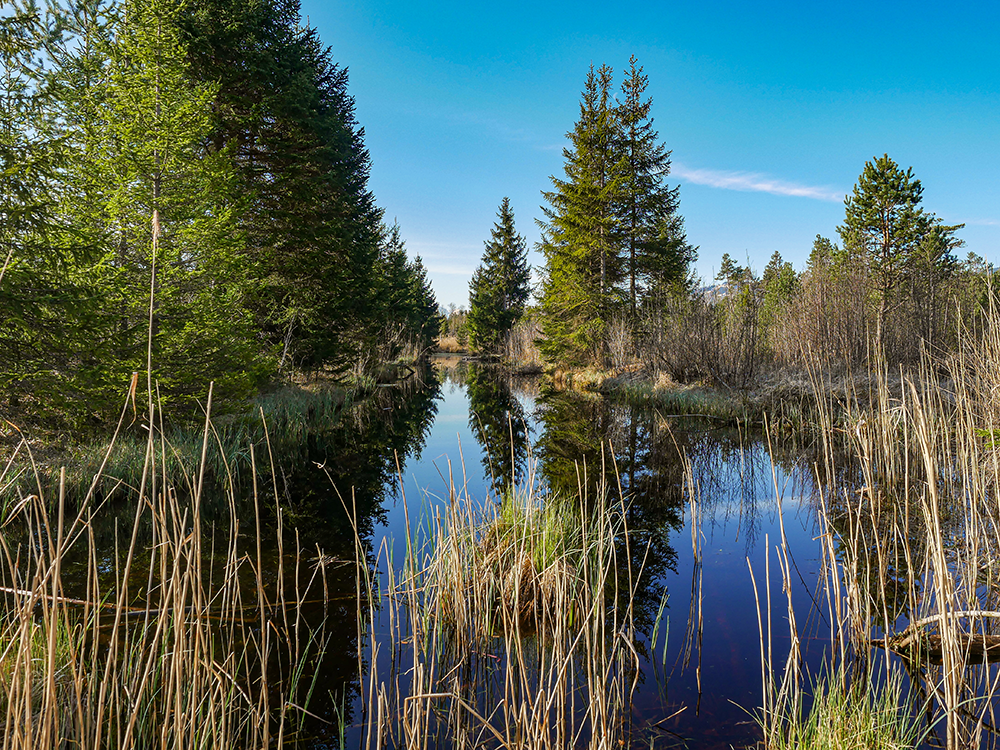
(658, 253)
(311, 224)
(44, 303)
(581, 235)
(500, 285)
(163, 212)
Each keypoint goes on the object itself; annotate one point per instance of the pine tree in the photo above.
(780, 286)
(883, 223)
(581, 235)
(500, 285)
(929, 269)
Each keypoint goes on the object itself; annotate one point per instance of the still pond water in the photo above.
(700, 683)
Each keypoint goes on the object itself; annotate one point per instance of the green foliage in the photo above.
(780, 287)
(164, 212)
(500, 424)
(500, 285)
(581, 235)
(312, 229)
(47, 303)
(611, 235)
(406, 304)
(659, 256)
(184, 195)
(905, 251)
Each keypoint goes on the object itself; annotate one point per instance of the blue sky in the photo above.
(770, 109)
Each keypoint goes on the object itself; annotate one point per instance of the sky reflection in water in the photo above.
(740, 501)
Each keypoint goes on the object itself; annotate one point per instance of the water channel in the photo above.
(700, 683)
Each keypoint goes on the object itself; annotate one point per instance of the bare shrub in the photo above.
(619, 344)
(697, 338)
(519, 348)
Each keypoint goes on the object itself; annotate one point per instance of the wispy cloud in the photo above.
(447, 269)
(445, 258)
(983, 222)
(754, 182)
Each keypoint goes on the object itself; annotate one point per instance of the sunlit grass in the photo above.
(175, 638)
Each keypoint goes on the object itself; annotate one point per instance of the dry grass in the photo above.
(909, 481)
(176, 638)
(450, 345)
(510, 626)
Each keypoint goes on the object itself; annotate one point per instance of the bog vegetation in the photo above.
(184, 201)
(617, 288)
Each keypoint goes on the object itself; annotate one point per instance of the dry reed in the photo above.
(509, 625)
(911, 546)
(173, 639)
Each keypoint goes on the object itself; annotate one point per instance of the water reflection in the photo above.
(356, 463)
(500, 423)
(581, 443)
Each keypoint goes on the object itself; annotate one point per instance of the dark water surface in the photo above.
(701, 681)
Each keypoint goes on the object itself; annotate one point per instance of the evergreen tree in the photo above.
(44, 305)
(883, 223)
(905, 251)
(659, 256)
(731, 273)
(500, 285)
(406, 298)
(581, 235)
(780, 286)
(312, 226)
(164, 212)
(929, 269)
(423, 316)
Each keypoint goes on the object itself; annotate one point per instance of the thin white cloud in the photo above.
(983, 222)
(445, 269)
(754, 182)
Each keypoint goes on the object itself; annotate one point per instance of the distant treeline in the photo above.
(617, 287)
(891, 288)
(184, 189)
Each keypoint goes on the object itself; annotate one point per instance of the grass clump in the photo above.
(511, 625)
(525, 558)
(847, 716)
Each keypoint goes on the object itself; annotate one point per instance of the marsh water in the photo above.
(700, 682)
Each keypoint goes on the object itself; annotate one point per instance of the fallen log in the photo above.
(974, 648)
(914, 644)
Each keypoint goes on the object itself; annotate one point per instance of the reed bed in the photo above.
(508, 624)
(909, 506)
(291, 414)
(176, 638)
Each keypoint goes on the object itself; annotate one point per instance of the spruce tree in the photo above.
(581, 234)
(659, 256)
(407, 301)
(161, 211)
(43, 302)
(500, 285)
(312, 226)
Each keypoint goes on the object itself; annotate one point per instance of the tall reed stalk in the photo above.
(909, 484)
(176, 638)
(509, 624)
